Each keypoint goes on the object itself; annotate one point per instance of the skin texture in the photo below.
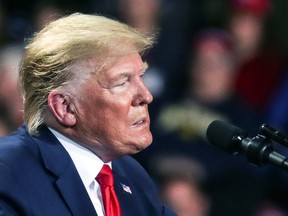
(108, 111)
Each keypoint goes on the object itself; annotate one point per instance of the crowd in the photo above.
(199, 70)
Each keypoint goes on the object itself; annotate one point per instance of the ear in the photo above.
(62, 108)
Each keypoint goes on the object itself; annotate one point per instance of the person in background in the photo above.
(182, 184)
(45, 12)
(261, 62)
(10, 98)
(209, 92)
(85, 111)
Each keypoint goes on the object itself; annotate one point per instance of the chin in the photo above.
(146, 142)
(141, 143)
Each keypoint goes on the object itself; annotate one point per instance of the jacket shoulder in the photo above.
(16, 145)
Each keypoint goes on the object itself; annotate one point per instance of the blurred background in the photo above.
(224, 59)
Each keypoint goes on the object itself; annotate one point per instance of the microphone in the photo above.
(258, 150)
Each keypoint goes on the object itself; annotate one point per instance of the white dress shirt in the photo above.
(88, 166)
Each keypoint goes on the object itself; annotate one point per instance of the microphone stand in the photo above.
(262, 143)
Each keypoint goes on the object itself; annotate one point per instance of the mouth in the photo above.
(140, 122)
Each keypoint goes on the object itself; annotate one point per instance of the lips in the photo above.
(140, 122)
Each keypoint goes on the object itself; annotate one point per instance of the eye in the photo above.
(122, 82)
(142, 75)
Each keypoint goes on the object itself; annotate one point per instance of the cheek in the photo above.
(109, 118)
(106, 114)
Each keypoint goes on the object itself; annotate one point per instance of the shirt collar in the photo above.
(87, 163)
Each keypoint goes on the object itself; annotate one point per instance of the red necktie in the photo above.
(110, 201)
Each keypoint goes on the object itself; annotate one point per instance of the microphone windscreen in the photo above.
(221, 134)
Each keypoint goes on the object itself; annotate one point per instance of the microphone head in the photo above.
(223, 135)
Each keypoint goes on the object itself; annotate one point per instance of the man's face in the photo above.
(112, 109)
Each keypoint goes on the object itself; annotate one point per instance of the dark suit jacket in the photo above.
(38, 177)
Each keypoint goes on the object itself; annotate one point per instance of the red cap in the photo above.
(217, 38)
(257, 7)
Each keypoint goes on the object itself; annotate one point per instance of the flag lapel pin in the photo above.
(126, 188)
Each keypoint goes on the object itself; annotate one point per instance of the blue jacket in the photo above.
(38, 177)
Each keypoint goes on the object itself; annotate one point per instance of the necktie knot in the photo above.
(105, 177)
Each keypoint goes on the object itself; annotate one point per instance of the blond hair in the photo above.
(62, 43)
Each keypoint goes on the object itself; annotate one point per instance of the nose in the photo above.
(143, 95)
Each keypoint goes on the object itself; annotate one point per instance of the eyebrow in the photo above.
(128, 73)
(125, 74)
(144, 66)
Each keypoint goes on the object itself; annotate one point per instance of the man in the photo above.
(85, 105)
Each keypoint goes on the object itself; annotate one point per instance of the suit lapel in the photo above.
(74, 193)
(58, 161)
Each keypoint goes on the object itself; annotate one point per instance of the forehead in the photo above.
(108, 68)
(120, 64)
